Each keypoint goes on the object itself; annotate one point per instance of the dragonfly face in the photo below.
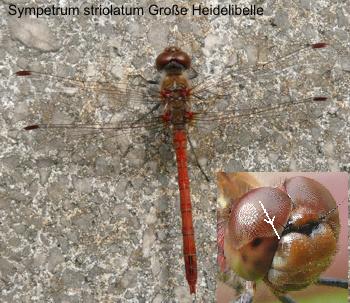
(295, 249)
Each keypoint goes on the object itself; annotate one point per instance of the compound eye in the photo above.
(249, 242)
(247, 220)
(311, 202)
(173, 54)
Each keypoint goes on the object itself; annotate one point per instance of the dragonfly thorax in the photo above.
(176, 115)
(175, 93)
(174, 87)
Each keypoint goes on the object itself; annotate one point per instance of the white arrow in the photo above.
(269, 221)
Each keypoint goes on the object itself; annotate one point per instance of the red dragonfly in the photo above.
(176, 95)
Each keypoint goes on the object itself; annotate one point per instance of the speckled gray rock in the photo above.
(95, 217)
(33, 33)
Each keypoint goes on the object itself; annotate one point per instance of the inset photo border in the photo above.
(309, 206)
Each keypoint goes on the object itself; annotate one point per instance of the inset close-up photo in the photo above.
(282, 237)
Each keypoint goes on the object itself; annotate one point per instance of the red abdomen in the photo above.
(189, 246)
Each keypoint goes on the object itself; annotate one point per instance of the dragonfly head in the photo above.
(173, 60)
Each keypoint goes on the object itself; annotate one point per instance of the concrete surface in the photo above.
(96, 218)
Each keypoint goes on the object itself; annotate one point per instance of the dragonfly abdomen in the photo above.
(189, 246)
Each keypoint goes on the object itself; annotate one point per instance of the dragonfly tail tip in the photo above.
(193, 289)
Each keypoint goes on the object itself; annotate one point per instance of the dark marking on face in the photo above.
(256, 242)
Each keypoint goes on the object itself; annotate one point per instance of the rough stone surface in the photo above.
(94, 217)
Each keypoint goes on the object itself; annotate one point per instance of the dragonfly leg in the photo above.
(192, 74)
(154, 108)
(333, 282)
(196, 159)
(146, 81)
(285, 299)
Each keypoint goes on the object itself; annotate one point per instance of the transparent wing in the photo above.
(278, 74)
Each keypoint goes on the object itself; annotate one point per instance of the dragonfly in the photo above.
(170, 106)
